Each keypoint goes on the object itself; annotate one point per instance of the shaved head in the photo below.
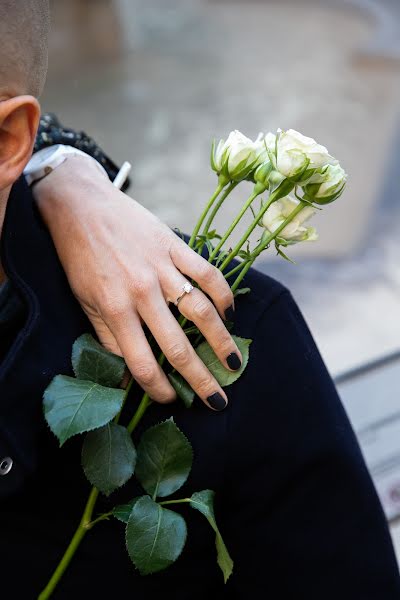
(24, 30)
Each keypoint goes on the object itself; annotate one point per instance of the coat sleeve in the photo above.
(299, 513)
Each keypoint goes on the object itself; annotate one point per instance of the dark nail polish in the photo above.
(230, 313)
(233, 361)
(216, 401)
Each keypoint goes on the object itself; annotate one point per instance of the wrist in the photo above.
(70, 187)
(73, 176)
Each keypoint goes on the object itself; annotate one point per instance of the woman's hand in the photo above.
(124, 265)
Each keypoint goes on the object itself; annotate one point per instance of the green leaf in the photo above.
(164, 459)
(93, 362)
(253, 212)
(72, 406)
(199, 243)
(220, 372)
(241, 291)
(204, 502)
(283, 255)
(209, 246)
(213, 143)
(182, 388)
(122, 512)
(282, 242)
(155, 536)
(213, 235)
(221, 257)
(108, 457)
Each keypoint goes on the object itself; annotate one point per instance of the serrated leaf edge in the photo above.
(61, 443)
(171, 419)
(218, 537)
(184, 541)
(97, 347)
(119, 487)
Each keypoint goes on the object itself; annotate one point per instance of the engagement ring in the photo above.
(186, 289)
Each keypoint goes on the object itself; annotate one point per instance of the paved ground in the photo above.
(156, 80)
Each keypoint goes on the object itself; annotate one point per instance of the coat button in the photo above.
(6, 464)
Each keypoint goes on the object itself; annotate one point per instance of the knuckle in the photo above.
(165, 237)
(203, 310)
(217, 278)
(114, 309)
(144, 285)
(206, 272)
(166, 397)
(224, 292)
(205, 385)
(145, 373)
(178, 355)
(226, 345)
(213, 277)
(227, 297)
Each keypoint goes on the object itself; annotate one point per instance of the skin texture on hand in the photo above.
(124, 265)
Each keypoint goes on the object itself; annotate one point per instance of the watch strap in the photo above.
(47, 160)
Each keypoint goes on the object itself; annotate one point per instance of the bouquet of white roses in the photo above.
(293, 176)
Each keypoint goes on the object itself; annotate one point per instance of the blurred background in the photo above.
(153, 81)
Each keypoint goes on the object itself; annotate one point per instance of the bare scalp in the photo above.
(24, 31)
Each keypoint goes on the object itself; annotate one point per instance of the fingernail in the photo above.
(230, 313)
(234, 361)
(216, 401)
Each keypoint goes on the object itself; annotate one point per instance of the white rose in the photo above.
(270, 141)
(265, 141)
(294, 231)
(296, 152)
(235, 157)
(326, 185)
(263, 166)
(261, 144)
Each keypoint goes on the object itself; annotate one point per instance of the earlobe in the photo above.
(19, 119)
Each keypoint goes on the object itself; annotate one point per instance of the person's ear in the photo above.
(19, 120)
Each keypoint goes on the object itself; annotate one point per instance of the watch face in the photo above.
(41, 157)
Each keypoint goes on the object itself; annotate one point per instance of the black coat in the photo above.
(295, 502)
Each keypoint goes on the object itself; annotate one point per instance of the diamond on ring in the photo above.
(186, 289)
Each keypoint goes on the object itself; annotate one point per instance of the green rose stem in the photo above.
(216, 208)
(279, 192)
(232, 226)
(73, 546)
(203, 215)
(265, 243)
(127, 390)
(235, 269)
(143, 406)
(244, 266)
(181, 501)
(86, 522)
(273, 197)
